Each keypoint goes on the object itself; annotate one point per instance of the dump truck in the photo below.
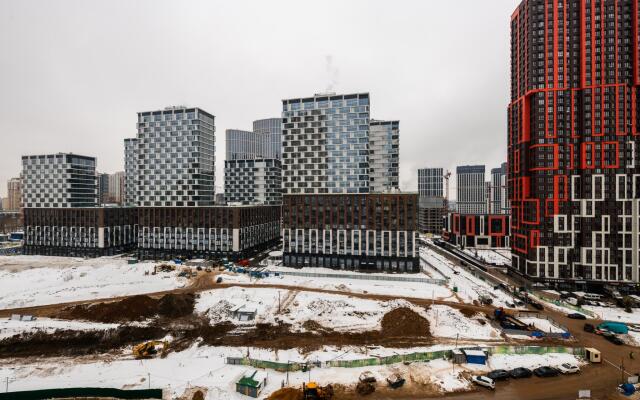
(150, 349)
(312, 391)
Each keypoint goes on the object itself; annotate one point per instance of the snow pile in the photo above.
(88, 279)
(445, 321)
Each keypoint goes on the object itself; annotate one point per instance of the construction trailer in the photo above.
(245, 312)
(592, 355)
(475, 356)
(252, 383)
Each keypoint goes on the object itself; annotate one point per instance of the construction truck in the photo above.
(150, 349)
(312, 391)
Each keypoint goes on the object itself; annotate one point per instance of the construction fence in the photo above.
(82, 393)
(399, 358)
(366, 277)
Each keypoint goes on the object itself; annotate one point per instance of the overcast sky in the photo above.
(73, 74)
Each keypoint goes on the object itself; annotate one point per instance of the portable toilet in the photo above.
(592, 355)
(458, 356)
(475, 356)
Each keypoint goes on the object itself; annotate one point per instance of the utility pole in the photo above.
(457, 334)
(7, 387)
(149, 374)
(278, 302)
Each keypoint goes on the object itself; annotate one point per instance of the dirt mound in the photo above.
(365, 388)
(468, 312)
(74, 343)
(286, 394)
(135, 308)
(404, 322)
(176, 305)
(311, 325)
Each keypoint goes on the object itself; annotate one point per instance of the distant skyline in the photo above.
(76, 83)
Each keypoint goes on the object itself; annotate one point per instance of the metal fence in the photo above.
(365, 277)
(82, 393)
(398, 358)
(10, 251)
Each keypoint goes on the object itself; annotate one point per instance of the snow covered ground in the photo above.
(9, 327)
(205, 366)
(616, 314)
(448, 322)
(469, 287)
(384, 287)
(488, 256)
(531, 361)
(337, 312)
(542, 324)
(38, 280)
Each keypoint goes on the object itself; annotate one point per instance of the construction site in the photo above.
(225, 330)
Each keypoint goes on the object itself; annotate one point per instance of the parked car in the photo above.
(567, 368)
(576, 316)
(520, 373)
(483, 381)
(367, 377)
(498, 374)
(544, 372)
(536, 305)
(589, 328)
(614, 339)
(219, 280)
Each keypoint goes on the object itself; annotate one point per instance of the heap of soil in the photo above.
(135, 308)
(365, 388)
(76, 343)
(404, 322)
(287, 393)
(468, 312)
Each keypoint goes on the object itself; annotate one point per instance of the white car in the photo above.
(567, 368)
(483, 381)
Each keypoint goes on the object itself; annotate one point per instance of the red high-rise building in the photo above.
(574, 180)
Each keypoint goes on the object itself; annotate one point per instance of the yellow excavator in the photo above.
(313, 391)
(150, 349)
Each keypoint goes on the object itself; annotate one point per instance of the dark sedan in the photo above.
(520, 373)
(614, 339)
(589, 328)
(545, 372)
(576, 316)
(498, 374)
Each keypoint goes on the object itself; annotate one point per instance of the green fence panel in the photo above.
(411, 357)
(82, 392)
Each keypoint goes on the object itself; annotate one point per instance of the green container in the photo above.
(455, 289)
(132, 261)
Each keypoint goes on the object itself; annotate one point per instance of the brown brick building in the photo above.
(351, 231)
(90, 232)
(154, 232)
